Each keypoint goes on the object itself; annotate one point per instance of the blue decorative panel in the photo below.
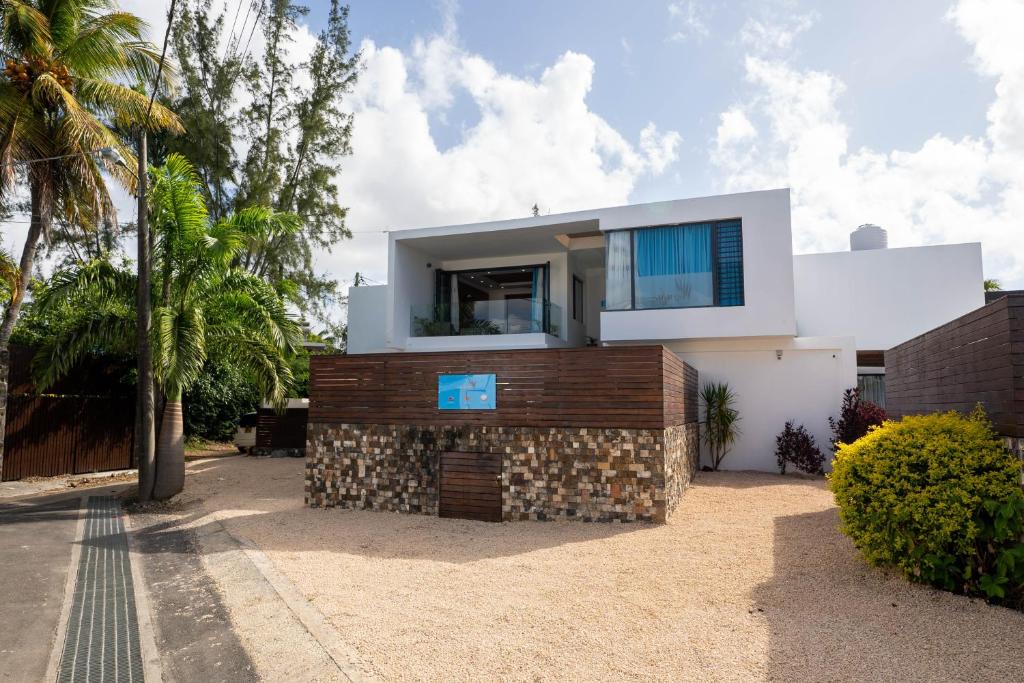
(466, 392)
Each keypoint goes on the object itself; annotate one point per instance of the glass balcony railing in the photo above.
(507, 316)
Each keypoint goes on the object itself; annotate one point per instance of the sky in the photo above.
(909, 115)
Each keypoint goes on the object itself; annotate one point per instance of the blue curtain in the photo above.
(673, 250)
(673, 266)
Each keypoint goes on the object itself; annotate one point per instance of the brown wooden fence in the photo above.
(287, 430)
(65, 434)
(979, 357)
(621, 386)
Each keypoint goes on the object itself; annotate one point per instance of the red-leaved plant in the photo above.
(794, 446)
(855, 418)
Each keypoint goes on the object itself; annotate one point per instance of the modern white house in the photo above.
(714, 279)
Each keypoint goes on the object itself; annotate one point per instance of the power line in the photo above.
(29, 222)
(231, 36)
(160, 64)
(251, 32)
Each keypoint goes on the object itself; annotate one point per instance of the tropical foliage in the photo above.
(204, 309)
(796, 447)
(721, 420)
(939, 498)
(856, 417)
(66, 63)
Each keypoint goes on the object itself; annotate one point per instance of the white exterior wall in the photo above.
(366, 319)
(805, 385)
(410, 283)
(883, 297)
(767, 273)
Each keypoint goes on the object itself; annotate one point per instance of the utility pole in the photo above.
(145, 438)
(145, 420)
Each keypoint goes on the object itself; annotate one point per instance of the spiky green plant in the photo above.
(721, 420)
(202, 307)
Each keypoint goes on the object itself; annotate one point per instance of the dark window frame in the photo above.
(578, 315)
(716, 224)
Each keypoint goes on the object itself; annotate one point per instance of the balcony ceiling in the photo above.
(490, 243)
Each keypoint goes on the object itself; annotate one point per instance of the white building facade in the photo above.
(714, 279)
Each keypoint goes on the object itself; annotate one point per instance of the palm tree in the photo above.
(721, 420)
(62, 86)
(202, 306)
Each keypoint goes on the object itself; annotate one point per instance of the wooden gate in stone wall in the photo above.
(470, 486)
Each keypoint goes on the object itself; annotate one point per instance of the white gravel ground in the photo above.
(749, 580)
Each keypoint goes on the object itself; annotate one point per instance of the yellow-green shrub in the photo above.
(939, 497)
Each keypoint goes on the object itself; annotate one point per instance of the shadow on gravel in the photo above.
(831, 615)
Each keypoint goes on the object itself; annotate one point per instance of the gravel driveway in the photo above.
(749, 580)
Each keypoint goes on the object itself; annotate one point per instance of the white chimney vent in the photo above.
(868, 236)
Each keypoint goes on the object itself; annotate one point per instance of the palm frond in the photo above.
(179, 217)
(261, 362)
(10, 276)
(85, 285)
(253, 302)
(25, 28)
(105, 328)
(179, 346)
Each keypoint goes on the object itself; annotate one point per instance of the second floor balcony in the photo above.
(499, 316)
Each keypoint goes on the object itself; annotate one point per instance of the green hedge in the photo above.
(938, 497)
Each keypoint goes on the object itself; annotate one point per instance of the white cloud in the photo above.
(689, 19)
(775, 32)
(537, 141)
(947, 191)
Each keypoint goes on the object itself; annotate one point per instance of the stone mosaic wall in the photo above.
(682, 459)
(548, 473)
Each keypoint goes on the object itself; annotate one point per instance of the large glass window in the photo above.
(675, 266)
(618, 291)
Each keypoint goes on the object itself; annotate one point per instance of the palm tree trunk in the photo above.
(42, 211)
(145, 435)
(170, 452)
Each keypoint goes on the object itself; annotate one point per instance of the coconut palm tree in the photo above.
(202, 306)
(62, 86)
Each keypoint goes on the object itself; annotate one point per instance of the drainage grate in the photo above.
(102, 642)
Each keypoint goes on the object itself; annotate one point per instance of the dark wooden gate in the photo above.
(470, 486)
(63, 433)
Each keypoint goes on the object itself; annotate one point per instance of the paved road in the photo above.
(36, 539)
(192, 630)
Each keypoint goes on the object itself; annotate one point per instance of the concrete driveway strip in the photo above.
(36, 542)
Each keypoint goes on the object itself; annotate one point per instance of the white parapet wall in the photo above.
(366, 319)
(883, 297)
(775, 380)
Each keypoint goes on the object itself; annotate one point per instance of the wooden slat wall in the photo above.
(51, 435)
(977, 357)
(281, 431)
(621, 386)
(84, 423)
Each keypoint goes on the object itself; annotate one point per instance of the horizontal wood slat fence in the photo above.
(978, 357)
(640, 387)
(51, 435)
(276, 430)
